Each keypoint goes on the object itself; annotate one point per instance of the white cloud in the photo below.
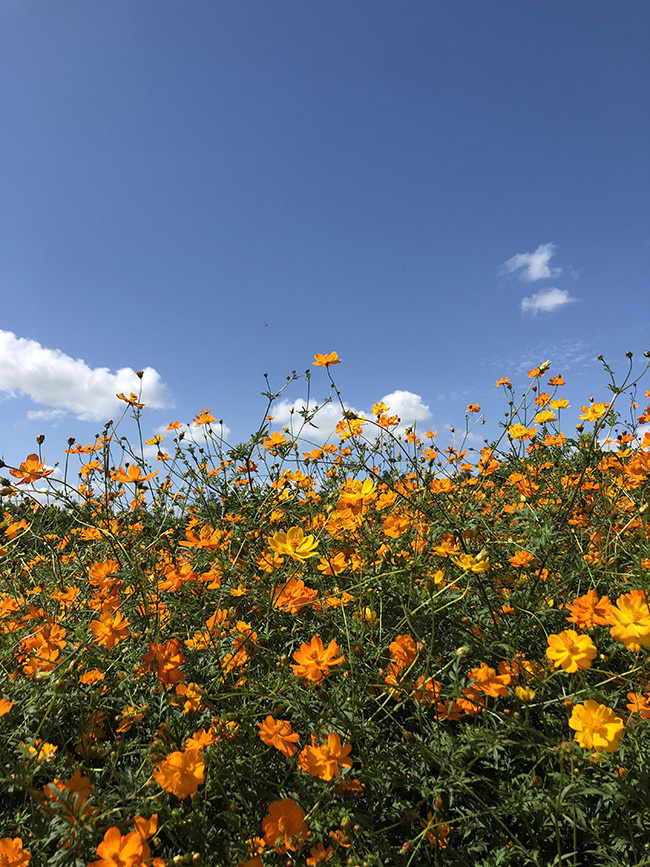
(546, 301)
(407, 405)
(532, 266)
(64, 384)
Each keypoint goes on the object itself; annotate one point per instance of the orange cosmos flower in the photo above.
(204, 417)
(597, 727)
(109, 629)
(12, 853)
(436, 832)
(132, 399)
(403, 651)
(488, 681)
(638, 703)
(5, 706)
(279, 734)
(630, 619)
(181, 773)
(319, 854)
(165, 660)
(284, 827)
(588, 611)
(326, 759)
(321, 360)
(294, 544)
(132, 474)
(314, 661)
(30, 470)
(570, 650)
(505, 380)
(116, 850)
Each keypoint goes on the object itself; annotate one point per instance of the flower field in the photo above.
(373, 651)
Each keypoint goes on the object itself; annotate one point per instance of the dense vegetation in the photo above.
(370, 652)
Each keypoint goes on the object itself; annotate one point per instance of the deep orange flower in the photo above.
(319, 854)
(324, 760)
(204, 417)
(314, 661)
(284, 827)
(488, 681)
(403, 651)
(30, 470)
(116, 850)
(181, 773)
(110, 629)
(588, 611)
(279, 734)
(321, 360)
(132, 399)
(165, 660)
(272, 442)
(12, 853)
(5, 706)
(133, 474)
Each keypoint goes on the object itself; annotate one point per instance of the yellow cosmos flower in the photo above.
(570, 650)
(630, 619)
(472, 564)
(294, 544)
(596, 726)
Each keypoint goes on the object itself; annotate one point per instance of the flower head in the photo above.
(630, 619)
(284, 827)
(12, 853)
(325, 360)
(181, 773)
(596, 726)
(294, 544)
(570, 650)
(279, 734)
(314, 660)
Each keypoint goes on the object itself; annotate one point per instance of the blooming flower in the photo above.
(294, 544)
(30, 470)
(570, 650)
(12, 853)
(284, 827)
(596, 726)
(630, 619)
(116, 850)
(325, 360)
(279, 734)
(109, 629)
(314, 661)
(181, 773)
(588, 611)
(325, 760)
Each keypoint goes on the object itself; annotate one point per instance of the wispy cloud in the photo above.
(62, 384)
(546, 301)
(532, 266)
(408, 406)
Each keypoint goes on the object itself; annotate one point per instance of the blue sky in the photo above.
(443, 193)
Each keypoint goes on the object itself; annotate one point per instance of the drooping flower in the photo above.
(284, 827)
(570, 650)
(596, 726)
(181, 773)
(279, 734)
(314, 660)
(630, 619)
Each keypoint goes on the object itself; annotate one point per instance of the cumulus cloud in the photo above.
(405, 404)
(62, 384)
(532, 266)
(546, 301)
